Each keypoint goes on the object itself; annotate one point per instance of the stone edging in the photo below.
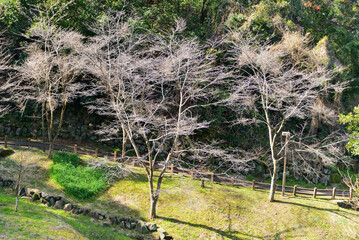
(59, 202)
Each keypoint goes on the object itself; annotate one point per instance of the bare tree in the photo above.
(4, 68)
(274, 84)
(48, 75)
(151, 86)
(18, 168)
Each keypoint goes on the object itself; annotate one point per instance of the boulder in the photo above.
(123, 224)
(43, 195)
(141, 227)
(59, 204)
(68, 207)
(86, 211)
(32, 191)
(52, 201)
(22, 191)
(36, 196)
(128, 225)
(94, 215)
(75, 211)
(151, 226)
(29, 199)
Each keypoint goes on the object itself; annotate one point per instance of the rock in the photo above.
(101, 217)
(52, 201)
(151, 226)
(113, 220)
(94, 215)
(324, 180)
(68, 207)
(43, 195)
(128, 225)
(32, 191)
(29, 199)
(65, 200)
(75, 211)
(123, 224)
(85, 211)
(59, 204)
(133, 225)
(141, 227)
(22, 191)
(105, 224)
(36, 196)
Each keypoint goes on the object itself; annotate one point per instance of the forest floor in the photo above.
(185, 210)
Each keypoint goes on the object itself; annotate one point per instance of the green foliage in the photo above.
(352, 121)
(335, 178)
(66, 159)
(78, 180)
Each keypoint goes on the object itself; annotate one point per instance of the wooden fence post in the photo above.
(96, 153)
(172, 170)
(334, 192)
(202, 183)
(192, 173)
(254, 185)
(350, 193)
(75, 148)
(212, 177)
(115, 156)
(295, 190)
(232, 183)
(315, 192)
(5, 141)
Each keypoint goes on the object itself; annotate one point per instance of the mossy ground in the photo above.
(188, 211)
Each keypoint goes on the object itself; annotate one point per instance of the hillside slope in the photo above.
(186, 211)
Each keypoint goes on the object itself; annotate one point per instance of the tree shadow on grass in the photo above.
(343, 214)
(230, 234)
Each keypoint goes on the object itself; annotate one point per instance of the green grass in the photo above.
(75, 177)
(35, 221)
(188, 211)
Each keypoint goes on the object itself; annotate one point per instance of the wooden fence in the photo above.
(193, 173)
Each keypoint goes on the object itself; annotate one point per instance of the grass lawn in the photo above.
(188, 211)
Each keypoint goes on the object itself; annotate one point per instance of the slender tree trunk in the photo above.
(17, 201)
(273, 185)
(124, 140)
(43, 124)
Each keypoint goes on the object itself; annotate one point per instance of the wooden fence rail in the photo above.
(194, 174)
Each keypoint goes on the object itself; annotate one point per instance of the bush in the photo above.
(78, 180)
(66, 158)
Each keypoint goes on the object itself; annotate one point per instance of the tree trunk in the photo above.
(17, 197)
(51, 149)
(273, 184)
(153, 207)
(124, 140)
(43, 124)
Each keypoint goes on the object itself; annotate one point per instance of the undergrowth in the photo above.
(76, 177)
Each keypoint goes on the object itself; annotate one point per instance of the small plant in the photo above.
(76, 177)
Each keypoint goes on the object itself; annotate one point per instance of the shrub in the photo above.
(78, 180)
(66, 158)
